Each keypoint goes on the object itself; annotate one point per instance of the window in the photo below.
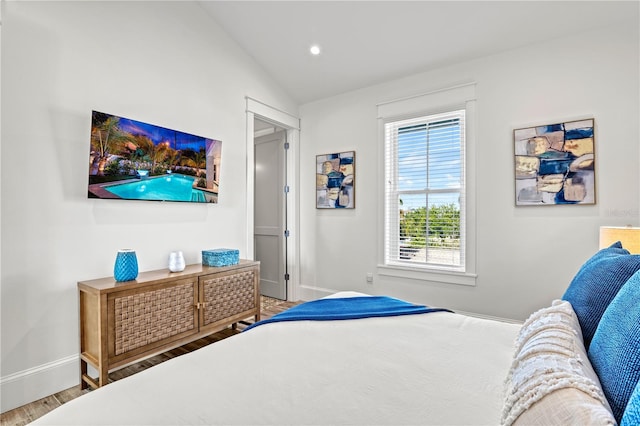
(427, 223)
(425, 191)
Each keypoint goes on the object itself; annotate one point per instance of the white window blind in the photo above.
(425, 191)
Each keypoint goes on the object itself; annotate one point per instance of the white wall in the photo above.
(526, 256)
(164, 63)
(168, 64)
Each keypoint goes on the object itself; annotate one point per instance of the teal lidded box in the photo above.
(220, 257)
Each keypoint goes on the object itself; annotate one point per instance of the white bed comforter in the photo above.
(429, 369)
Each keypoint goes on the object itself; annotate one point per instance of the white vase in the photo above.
(176, 261)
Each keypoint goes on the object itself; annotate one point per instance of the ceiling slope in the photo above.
(369, 42)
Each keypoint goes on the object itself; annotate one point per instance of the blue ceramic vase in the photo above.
(126, 267)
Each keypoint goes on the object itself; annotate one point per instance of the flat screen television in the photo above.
(132, 160)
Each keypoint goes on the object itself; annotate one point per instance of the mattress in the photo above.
(438, 368)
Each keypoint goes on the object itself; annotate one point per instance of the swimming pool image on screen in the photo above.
(133, 160)
(168, 187)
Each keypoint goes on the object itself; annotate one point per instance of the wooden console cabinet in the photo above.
(122, 322)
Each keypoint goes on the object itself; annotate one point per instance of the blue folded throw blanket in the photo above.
(348, 308)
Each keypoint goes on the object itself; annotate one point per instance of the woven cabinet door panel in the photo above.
(148, 317)
(228, 295)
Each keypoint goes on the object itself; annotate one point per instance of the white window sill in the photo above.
(428, 274)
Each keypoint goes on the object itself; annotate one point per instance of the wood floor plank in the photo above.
(69, 394)
(27, 413)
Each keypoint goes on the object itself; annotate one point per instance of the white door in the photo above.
(270, 213)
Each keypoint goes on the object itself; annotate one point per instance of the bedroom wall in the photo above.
(526, 256)
(164, 63)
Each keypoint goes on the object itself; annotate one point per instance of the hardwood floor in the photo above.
(27, 413)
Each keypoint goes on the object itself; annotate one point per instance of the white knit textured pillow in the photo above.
(551, 381)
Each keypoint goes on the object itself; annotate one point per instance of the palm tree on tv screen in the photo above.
(106, 138)
(154, 153)
(195, 160)
(172, 158)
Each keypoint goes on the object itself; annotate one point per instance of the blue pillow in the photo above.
(615, 348)
(631, 414)
(597, 283)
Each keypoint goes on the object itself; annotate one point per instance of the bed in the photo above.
(434, 367)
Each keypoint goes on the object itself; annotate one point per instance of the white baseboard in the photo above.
(312, 293)
(26, 386)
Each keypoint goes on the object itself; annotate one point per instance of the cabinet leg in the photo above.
(83, 373)
(104, 376)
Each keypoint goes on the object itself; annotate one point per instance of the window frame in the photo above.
(394, 132)
(461, 97)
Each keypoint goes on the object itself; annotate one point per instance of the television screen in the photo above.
(132, 160)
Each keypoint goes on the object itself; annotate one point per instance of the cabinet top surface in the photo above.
(160, 275)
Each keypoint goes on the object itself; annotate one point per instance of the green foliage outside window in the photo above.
(443, 226)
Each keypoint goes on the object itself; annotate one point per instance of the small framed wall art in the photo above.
(335, 180)
(555, 164)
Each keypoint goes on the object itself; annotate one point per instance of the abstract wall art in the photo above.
(335, 180)
(555, 164)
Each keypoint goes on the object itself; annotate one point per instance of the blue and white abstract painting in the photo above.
(335, 180)
(555, 164)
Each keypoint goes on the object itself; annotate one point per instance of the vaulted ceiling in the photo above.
(369, 42)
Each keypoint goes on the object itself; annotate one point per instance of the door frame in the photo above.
(291, 124)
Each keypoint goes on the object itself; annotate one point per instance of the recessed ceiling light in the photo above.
(315, 50)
